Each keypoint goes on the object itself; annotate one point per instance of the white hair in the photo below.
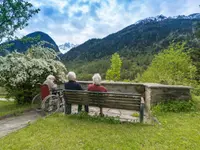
(51, 77)
(71, 76)
(96, 79)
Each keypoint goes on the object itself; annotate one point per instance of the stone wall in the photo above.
(159, 93)
(117, 87)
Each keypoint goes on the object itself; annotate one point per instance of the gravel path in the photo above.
(12, 124)
(15, 123)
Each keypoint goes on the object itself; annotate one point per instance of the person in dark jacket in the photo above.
(73, 85)
(96, 87)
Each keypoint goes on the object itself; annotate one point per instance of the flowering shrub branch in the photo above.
(20, 73)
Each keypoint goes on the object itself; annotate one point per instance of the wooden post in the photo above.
(67, 107)
(142, 110)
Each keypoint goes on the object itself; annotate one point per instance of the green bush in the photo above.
(172, 66)
(196, 90)
(174, 106)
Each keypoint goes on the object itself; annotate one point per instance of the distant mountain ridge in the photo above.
(66, 47)
(21, 45)
(144, 36)
(162, 17)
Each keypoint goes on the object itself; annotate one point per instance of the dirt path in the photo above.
(12, 124)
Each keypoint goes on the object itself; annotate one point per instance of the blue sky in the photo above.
(76, 21)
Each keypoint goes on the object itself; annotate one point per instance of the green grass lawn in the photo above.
(9, 107)
(178, 131)
(59, 132)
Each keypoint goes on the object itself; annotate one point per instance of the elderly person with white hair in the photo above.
(73, 85)
(96, 87)
(50, 82)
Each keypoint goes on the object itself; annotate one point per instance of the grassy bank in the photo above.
(178, 131)
(9, 107)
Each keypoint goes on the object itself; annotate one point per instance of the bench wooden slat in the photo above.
(103, 96)
(106, 98)
(84, 102)
(107, 105)
(101, 93)
(102, 101)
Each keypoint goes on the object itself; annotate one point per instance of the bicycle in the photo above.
(48, 101)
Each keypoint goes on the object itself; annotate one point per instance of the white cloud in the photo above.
(110, 18)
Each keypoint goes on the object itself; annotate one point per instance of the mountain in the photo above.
(137, 44)
(66, 47)
(139, 37)
(21, 45)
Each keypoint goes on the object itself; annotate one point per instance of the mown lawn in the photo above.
(59, 132)
(9, 107)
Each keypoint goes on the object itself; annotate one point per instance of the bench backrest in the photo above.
(128, 101)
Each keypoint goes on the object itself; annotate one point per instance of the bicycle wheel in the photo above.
(36, 102)
(51, 104)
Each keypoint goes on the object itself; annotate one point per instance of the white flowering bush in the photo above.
(20, 73)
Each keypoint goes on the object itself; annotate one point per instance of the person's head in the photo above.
(51, 77)
(71, 76)
(96, 79)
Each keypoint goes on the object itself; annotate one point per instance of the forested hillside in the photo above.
(136, 45)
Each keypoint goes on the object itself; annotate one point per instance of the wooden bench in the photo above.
(126, 101)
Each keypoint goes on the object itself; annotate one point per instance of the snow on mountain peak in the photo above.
(162, 17)
(66, 47)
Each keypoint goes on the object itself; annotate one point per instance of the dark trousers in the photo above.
(80, 108)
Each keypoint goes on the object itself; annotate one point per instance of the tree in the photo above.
(172, 66)
(198, 29)
(14, 15)
(20, 73)
(114, 72)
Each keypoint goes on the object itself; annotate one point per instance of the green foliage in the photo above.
(96, 118)
(85, 70)
(197, 32)
(14, 15)
(175, 106)
(10, 108)
(30, 39)
(136, 114)
(114, 72)
(172, 66)
(178, 131)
